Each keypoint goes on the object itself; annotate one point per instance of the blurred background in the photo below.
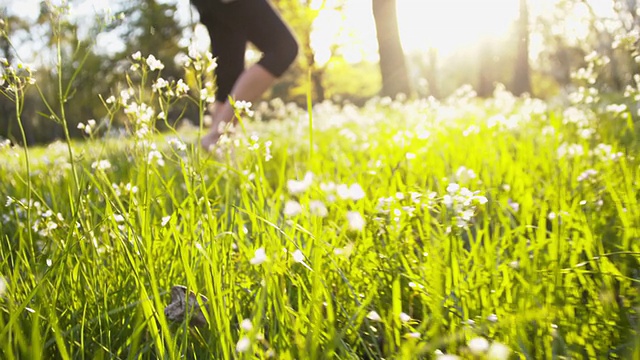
(350, 51)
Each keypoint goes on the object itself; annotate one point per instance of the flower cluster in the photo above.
(43, 223)
(14, 79)
(4, 143)
(463, 203)
(88, 127)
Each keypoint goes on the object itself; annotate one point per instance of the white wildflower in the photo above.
(570, 150)
(177, 144)
(478, 346)
(453, 188)
(267, 151)
(374, 316)
(447, 357)
(413, 335)
(587, 174)
(125, 95)
(155, 156)
(328, 187)
(298, 256)
(447, 200)
(353, 192)
(165, 220)
(318, 208)
(246, 325)
(259, 257)
(297, 187)
(498, 351)
(243, 344)
(101, 165)
(154, 64)
(159, 85)
(481, 199)
(404, 317)
(465, 175)
(514, 205)
(243, 107)
(344, 251)
(616, 108)
(88, 128)
(292, 208)
(355, 220)
(181, 87)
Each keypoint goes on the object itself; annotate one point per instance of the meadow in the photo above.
(499, 228)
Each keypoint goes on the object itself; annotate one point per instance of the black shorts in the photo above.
(231, 25)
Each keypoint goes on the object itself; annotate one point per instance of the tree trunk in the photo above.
(393, 68)
(316, 73)
(486, 65)
(522, 74)
(433, 73)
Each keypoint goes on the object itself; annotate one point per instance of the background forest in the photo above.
(543, 55)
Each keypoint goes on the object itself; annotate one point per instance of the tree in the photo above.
(393, 67)
(613, 37)
(153, 29)
(522, 73)
(486, 65)
(300, 15)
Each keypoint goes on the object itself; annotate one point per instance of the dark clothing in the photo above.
(231, 25)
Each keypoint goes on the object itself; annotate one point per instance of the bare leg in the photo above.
(211, 109)
(251, 84)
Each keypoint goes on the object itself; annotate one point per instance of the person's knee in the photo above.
(289, 52)
(279, 58)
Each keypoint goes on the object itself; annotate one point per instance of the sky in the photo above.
(446, 25)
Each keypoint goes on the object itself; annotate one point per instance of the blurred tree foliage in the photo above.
(11, 26)
(615, 37)
(74, 72)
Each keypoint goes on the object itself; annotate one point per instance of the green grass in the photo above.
(548, 265)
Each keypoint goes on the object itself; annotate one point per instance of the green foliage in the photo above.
(68, 85)
(340, 84)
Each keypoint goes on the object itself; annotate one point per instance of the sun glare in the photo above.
(445, 25)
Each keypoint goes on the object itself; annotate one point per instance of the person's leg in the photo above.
(252, 83)
(265, 29)
(228, 46)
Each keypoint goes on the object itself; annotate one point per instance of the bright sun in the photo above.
(450, 24)
(445, 25)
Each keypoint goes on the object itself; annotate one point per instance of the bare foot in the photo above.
(209, 141)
